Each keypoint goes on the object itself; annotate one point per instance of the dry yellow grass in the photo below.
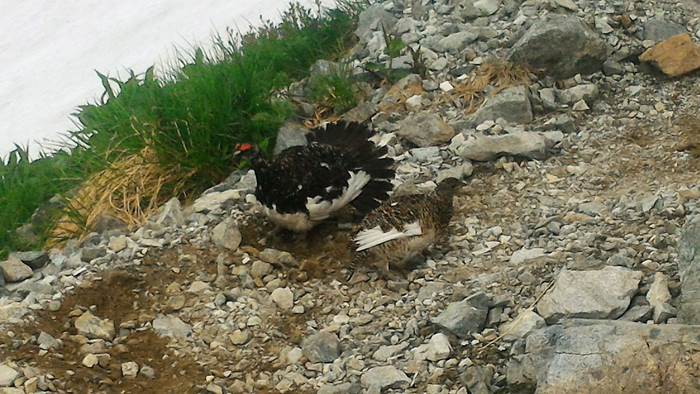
(498, 74)
(131, 190)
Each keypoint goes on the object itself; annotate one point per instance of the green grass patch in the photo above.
(192, 118)
(335, 90)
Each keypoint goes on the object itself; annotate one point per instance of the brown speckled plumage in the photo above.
(433, 211)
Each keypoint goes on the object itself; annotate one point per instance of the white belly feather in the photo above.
(319, 209)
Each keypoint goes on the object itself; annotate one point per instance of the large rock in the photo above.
(485, 148)
(676, 56)
(372, 19)
(15, 270)
(598, 294)
(227, 235)
(512, 105)
(658, 29)
(560, 45)
(462, 318)
(689, 271)
(597, 356)
(425, 129)
(93, 327)
(35, 259)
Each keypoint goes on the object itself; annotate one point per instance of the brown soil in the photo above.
(120, 296)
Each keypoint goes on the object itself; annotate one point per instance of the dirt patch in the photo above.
(323, 252)
(122, 296)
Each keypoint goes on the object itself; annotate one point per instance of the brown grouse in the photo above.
(402, 228)
(305, 185)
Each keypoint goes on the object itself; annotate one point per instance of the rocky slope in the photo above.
(570, 267)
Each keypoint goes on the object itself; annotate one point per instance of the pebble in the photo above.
(130, 369)
(7, 375)
(322, 347)
(283, 298)
(95, 328)
(90, 360)
(384, 377)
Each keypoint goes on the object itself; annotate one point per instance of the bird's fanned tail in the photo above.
(361, 155)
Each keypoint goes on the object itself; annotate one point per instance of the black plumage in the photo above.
(305, 185)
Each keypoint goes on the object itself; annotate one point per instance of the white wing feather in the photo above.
(321, 210)
(370, 238)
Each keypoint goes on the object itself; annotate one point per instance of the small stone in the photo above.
(659, 297)
(283, 298)
(215, 200)
(322, 347)
(462, 318)
(487, 7)
(456, 42)
(176, 302)
(524, 255)
(198, 287)
(103, 360)
(425, 129)
(446, 86)
(148, 372)
(581, 106)
(171, 326)
(259, 269)
(214, 388)
(387, 351)
(7, 375)
(227, 235)
(342, 388)
(639, 313)
(117, 244)
(526, 322)
(47, 342)
(170, 214)
(385, 377)
(278, 257)
(438, 348)
(290, 134)
(89, 253)
(512, 105)
(414, 103)
(239, 337)
(130, 369)
(95, 328)
(14, 270)
(90, 360)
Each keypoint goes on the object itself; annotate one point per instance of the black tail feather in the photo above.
(361, 154)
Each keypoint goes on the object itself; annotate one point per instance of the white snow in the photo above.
(50, 49)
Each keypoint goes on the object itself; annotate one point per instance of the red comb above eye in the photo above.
(245, 147)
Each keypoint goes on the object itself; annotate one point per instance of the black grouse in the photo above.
(305, 185)
(402, 228)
